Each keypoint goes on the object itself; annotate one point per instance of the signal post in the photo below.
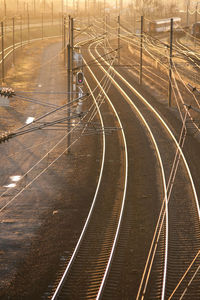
(74, 78)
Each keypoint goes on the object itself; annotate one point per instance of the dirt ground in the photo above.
(40, 227)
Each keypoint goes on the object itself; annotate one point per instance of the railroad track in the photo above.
(184, 221)
(96, 273)
(89, 263)
(89, 270)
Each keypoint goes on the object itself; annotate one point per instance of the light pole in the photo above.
(52, 12)
(34, 8)
(5, 13)
(195, 25)
(62, 7)
(188, 7)
(196, 11)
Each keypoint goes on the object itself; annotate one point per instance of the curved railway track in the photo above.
(190, 246)
(82, 271)
(87, 266)
(176, 231)
(141, 238)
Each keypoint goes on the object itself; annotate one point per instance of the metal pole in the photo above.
(88, 12)
(62, 23)
(118, 40)
(69, 29)
(34, 9)
(44, 6)
(5, 12)
(62, 7)
(21, 30)
(28, 28)
(69, 54)
(141, 48)
(13, 21)
(64, 49)
(187, 14)
(42, 27)
(106, 30)
(2, 53)
(52, 12)
(72, 56)
(69, 90)
(195, 25)
(72, 42)
(196, 13)
(72, 84)
(170, 64)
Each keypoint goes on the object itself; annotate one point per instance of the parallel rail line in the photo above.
(197, 216)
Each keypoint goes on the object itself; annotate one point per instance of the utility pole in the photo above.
(69, 54)
(106, 30)
(121, 5)
(28, 28)
(72, 54)
(196, 11)
(24, 9)
(188, 7)
(34, 8)
(44, 7)
(170, 64)
(2, 53)
(104, 10)
(42, 26)
(17, 6)
(13, 23)
(5, 14)
(69, 92)
(141, 48)
(64, 48)
(21, 30)
(119, 40)
(62, 31)
(5, 10)
(62, 7)
(88, 11)
(28, 24)
(74, 7)
(52, 12)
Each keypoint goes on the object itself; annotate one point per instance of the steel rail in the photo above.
(124, 194)
(18, 45)
(61, 282)
(174, 78)
(165, 125)
(125, 189)
(40, 160)
(176, 143)
(154, 142)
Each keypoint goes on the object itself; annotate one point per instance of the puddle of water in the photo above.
(29, 120)
(15, 178)
(10, 185)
